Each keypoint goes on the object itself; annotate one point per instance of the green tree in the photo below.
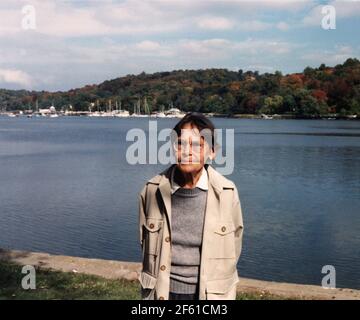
(272, 105)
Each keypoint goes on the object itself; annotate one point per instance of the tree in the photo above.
(250, 104)
(307, 105)
(214, 90)
(354, 107)
(289, 103)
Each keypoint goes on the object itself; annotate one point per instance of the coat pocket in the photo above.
(152, 232)
(147, 283)
(223, 240)
(222, 289)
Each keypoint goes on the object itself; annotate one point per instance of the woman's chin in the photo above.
(189, 167)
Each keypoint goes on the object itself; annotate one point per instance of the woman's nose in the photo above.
(186, 147)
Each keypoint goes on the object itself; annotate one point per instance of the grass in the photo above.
(63, 285)
(52, 285)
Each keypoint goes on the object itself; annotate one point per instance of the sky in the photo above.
(60, 45)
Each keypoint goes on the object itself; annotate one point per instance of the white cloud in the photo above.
(66, 19)
(234, 6)
(338, 54)
(56, 64)
(215, 23)
(258, 46)
(314, 17)
(343, 9)
(282, 26)
(346, 9)
(343, 49)
(148, 45)
(14, 76)
(260, 68)
(141, 17)
(245, 25)
(254, 25)
(222, 51)
(78, 42)
(10, 21)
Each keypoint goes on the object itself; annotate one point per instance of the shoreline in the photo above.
(286, 117)
(111, 269)
(15, 114)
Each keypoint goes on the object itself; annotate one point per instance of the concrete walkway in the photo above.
(129, 270)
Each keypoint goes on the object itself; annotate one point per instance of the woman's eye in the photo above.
(182, 143)
(197, 144)
(194, 144)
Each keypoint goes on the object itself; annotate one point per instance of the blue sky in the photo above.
(74, 43)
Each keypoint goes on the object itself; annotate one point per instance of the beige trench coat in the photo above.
(222, 238)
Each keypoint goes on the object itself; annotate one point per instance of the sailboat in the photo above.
(97, 113)
(37, 114)
(109, 112)
(265, 116)
(174, 112)
(121, 113)
(137, 109)
(159, 114)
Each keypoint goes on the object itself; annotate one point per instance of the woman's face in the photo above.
(192, 150)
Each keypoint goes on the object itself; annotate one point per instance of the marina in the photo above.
(51, 112)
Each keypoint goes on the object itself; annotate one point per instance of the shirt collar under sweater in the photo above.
(202, 183)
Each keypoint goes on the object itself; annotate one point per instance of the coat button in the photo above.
(161, 298)
(223, 229)
(151, 226)
(162, 268)
(167, 239)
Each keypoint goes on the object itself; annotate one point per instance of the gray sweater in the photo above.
(187, 220)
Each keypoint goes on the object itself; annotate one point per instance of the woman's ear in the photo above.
(212, 155)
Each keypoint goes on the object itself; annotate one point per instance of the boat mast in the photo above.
(139, 106)
(146, 106)
(110, 106)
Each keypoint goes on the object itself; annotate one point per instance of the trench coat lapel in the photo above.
(165, 191)
(212, 208)
(217, 186)
(214, 191)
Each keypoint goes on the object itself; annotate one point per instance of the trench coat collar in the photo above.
(203, 182)
(216, 180)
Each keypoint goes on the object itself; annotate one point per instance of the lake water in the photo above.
(66, 188)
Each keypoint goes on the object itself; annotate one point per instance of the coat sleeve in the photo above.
(141, 214)
(238, 221)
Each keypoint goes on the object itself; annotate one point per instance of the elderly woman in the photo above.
(190, 223)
